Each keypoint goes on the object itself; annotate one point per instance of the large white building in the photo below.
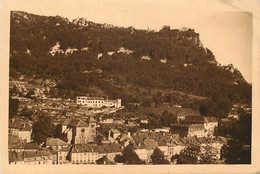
(97, 102)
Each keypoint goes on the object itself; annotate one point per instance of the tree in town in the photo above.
(13, 107)
(158, 157)
(129, 156)
(238, 149)
(58, 133)
(42, 129)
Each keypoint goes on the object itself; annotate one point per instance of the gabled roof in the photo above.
(115, 131)
(194, 119)
(23, 146)
(199, 119)
(211, 119)
(21, 124)
(108, 148)
(15, 156)
(13, 139)
(80, 148)
(66, 121)
(150, 144)
(104, 160)
(55, 142)
(77, 123)
(92, 120)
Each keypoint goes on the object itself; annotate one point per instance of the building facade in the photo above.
(97, 102)
(78, 131)
(21, 128)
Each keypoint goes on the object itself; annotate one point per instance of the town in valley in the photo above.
(83, 93)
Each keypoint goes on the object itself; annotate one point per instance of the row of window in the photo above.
(89, 101)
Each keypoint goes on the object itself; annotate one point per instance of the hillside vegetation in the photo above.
(87, 58)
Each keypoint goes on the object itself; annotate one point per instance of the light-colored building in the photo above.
(195, 124)
(30, 157)
(21, 128)
(97, 102)
(63, 155)
(84, 154)
(210, 124)
(196, 130)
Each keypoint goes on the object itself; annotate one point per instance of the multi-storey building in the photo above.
(83, 154)
(30, 157)
(97, 102)
(21, 128)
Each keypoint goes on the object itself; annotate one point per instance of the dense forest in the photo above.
(110, 58)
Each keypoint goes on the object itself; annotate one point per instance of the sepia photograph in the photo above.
(128, 83)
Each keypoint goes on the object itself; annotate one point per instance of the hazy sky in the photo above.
(227, 34)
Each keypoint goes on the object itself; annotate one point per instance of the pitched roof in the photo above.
(13, 139)
(20, 156)
(92, 120)
(150, 144)
(79, 148)
(77, 123)
(115, 131)
(108, 148)
(15, 156)
(55, 142)
(194, 119)
(23, 146)
(66, 121)
(65, 149)
(211, 119)
(21, 124)
(104, 160)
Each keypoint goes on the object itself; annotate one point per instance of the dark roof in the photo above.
(23, 146)
(74, 123)
(21, 124)
(15, 156)
(211, 119)
(79, 148)
(108, 148)
(104, 160)
(66, 121)
(20, 156)
(194, 119)
(199, 119)
(13, 139)
(28, 154)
